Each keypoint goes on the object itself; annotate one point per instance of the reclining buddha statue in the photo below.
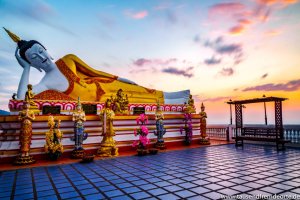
(70, 77)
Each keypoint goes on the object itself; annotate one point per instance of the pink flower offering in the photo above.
(144, 130)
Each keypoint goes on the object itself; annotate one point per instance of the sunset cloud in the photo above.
(225, 8)
(233, 50)
(142, 62)
(264, 76)
(273, 33)
(212, 61)
(237, 30)
(226, 72)
(293, 85)
(137, 15)
(218, 99)
(179, 72)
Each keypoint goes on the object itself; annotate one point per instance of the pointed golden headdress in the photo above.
(13, 36)
(158, 104)
(78, 102)
(202, 105)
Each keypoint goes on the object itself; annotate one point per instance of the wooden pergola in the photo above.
(258, 133)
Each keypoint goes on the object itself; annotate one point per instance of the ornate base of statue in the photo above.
(108, 151)
(55, 155)
(77, 153)
(160, 145)
(24, 160)
(153, 151)
(142, 152)
(204, 141)
(88, 158)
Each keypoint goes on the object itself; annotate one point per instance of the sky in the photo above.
(220, 50)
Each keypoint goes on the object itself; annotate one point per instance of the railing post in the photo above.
(229, 133)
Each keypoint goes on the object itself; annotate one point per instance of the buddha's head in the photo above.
(35, 54)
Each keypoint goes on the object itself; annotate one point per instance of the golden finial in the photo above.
(202, 105)
(13, 36)
(158, 104)
(78, 102)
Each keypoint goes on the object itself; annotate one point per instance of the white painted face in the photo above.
(38, 57)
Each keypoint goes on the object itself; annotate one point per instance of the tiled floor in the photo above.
(201, 173)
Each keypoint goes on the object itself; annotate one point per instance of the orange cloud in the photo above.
(289, 1)
(137, 15)
(237, 30)
(245, 21)
(270, 2)
(272, 33)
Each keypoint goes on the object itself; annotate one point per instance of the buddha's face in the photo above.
(38, 57)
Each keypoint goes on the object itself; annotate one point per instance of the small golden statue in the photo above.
(53, 146)
(26, 116)
(29, 95)
(79, 135)
(120, 103)
(190, 106)
(203, 135)
(108, 144)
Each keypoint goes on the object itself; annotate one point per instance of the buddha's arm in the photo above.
(23, 82)
(76, 63)
(71, 61)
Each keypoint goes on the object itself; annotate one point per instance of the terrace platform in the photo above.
(195, 173)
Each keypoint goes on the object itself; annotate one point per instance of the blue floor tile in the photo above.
(88, 191)
(113, 193)
(4, 194)
(23, 196)
(94, 196)
(200, 190)
(66, 190)
(140, 195)
(156, 192)
(168, 197)
(45, 193)
(185, 194)
(131, 190)
(107, 188)
(68, 195)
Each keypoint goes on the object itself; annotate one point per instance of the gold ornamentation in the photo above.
(13, 36)
(53, 144)
(190, 106)
(71, 77)
(108, 144)
(29, 96)
(120, 103)
(53, 95)
(25, 116)
(203, 135)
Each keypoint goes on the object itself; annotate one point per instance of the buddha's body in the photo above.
(71, 77)
(92, 85)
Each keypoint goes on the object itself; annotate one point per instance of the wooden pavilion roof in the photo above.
(257, 100)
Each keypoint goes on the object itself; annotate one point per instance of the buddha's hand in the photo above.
(20, 60)
(125, 80)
